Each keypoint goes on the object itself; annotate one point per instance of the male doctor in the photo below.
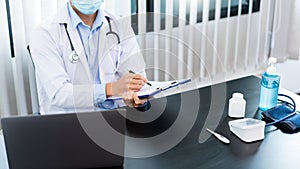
(78, 65)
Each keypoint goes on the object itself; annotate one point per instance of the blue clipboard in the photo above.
(175, 83)
(156, 90)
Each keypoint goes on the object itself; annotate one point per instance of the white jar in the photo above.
(237, 106)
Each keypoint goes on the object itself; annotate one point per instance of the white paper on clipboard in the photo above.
(157, 87)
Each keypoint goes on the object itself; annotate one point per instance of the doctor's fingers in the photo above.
(137, 82)
(135, 87)
(137, 101)
(128, 99)
(140, 77)
(131, 99)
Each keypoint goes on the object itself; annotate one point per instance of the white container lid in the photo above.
(248, 129)
(247, 123)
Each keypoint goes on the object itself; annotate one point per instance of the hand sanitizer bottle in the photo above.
(269, 86)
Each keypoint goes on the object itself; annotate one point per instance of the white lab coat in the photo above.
(67, 87)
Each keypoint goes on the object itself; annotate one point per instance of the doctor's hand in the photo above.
(131, 99)
(127, 83)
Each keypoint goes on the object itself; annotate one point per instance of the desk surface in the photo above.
(278, 150)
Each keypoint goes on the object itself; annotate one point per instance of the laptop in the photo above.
(61, 141)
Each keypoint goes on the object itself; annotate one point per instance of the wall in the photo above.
(294, 30)
(286, 43)
(289, 72)
(286, 35)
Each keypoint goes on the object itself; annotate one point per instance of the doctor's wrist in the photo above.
(108, 90)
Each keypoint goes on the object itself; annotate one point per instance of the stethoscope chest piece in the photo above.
(73, 58)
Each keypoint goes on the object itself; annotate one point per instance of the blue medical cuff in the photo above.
(146, 106)
(99, 94)
(290, 124)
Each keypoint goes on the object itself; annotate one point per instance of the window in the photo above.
(212, 3)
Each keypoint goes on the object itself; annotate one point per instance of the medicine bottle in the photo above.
(237, 106)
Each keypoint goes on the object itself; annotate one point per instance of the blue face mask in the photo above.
(87, 7)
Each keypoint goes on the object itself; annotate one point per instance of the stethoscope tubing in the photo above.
(74, 57)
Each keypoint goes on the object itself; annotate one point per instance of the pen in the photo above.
(130, 71)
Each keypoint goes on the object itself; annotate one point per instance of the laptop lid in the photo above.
(64, 140)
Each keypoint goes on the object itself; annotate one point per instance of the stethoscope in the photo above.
(74, 57)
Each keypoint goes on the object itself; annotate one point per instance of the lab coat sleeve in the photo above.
(99, 94)
(52, 75)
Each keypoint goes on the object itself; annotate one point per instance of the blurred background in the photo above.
(207, 40)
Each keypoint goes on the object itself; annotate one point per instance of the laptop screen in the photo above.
(63, 141)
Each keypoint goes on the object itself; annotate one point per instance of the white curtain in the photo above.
(7, 90)
(286, 35)
(294, 31)
(212, 50)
